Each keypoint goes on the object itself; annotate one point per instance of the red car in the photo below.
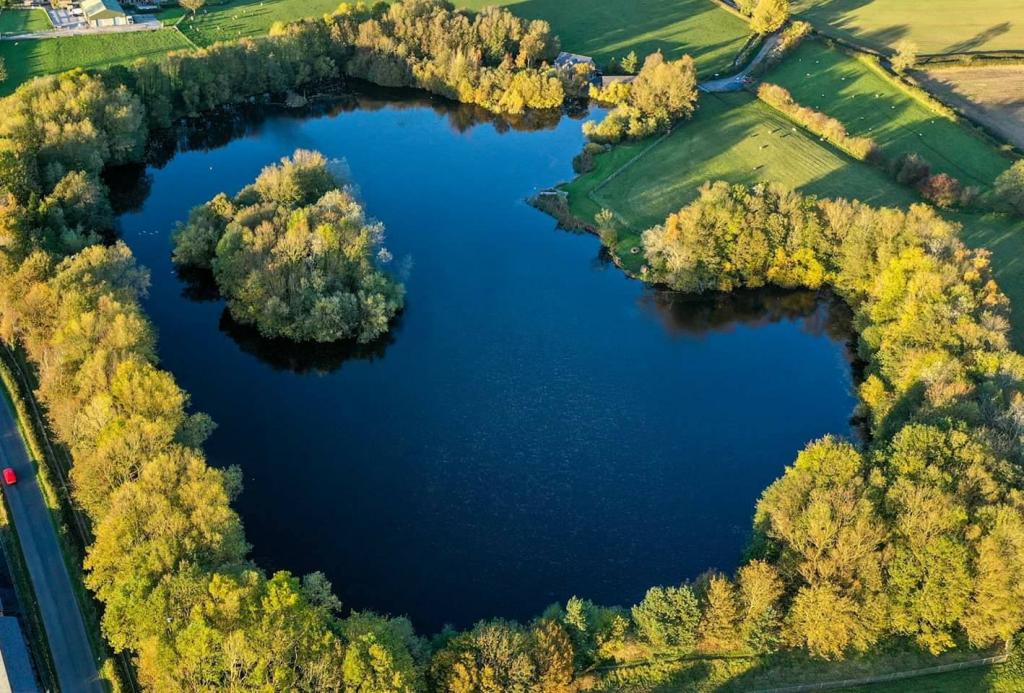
(10, 478)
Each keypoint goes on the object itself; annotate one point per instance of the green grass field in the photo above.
(22, 21)
(31, 58)
(871, 105)
(733, 137)
(936, 26)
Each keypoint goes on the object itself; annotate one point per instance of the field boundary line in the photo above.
(185, 36)
(629, 163)
(883, 678)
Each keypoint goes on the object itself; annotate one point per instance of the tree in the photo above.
(760, 589)
(942, 189)
(769, 16)
(629, 63)
(3, 71)
(826, 623)
(553, 654)
(192, 5)
(1009, 187)
(380, 655)
(663, 93)
(720, 624)
(494, 657)
(668, 617)
(904, 55)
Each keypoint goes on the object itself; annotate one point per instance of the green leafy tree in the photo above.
(720, 624)
(668, 617)
(380, 655)
(769, 16)
(295, 255)
(904, 55)
(1009, 187)
(630, 63)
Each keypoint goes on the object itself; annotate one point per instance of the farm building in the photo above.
(104, 13)
(572, 60)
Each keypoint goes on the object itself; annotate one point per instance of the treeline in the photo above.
(820, 124)
(919, 532)
(294, 255)
(663, 93)
(491, 58)
(169, 557)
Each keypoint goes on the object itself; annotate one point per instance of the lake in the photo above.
(537, 425)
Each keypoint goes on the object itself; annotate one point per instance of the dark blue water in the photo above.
(538, 426)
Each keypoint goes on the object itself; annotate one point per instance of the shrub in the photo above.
(942, 190)
(1009, 188)
(911, 169)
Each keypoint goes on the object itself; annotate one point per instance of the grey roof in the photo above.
(102, 9)
(572, 59)
(15, 668)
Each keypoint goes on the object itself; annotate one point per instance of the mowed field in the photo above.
(871, 105)
(992, 95)
(21, 21)
(936, 26)
(30, 58)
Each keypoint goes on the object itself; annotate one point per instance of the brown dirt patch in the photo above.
(990, 95)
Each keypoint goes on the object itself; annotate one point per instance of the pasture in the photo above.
(31, 58)
(872, 105)
(22, 21)
(733, 137)
(992, 95)
(936, 26)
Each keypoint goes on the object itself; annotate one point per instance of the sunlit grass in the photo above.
(936, 26)
(31, 58)
(870, 105)
(22, 21)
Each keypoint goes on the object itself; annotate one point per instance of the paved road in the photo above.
(62, 618)
(738, 81)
